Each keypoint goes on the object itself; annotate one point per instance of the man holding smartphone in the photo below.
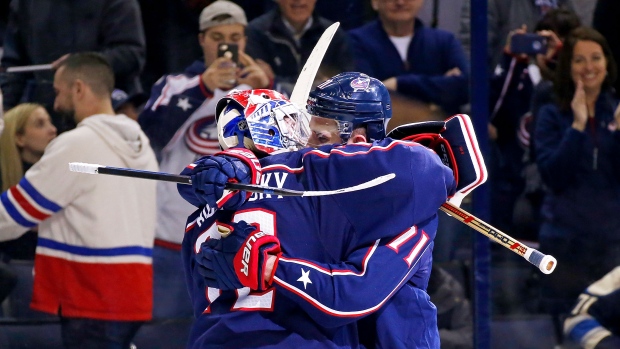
(179, 120)
(222, 38)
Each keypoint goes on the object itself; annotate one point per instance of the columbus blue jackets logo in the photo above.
(360, 84)
(201, 136)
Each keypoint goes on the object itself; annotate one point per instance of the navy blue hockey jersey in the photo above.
(344, 256)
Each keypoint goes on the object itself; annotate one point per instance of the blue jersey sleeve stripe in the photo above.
(14, 213)
(97, 252)
(37, 197)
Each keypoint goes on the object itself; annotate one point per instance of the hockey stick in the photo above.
(161, 176)
(303, 85)
(29, 68)
(546, 263)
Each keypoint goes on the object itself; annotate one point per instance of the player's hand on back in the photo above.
(211, 173)
(239, 259)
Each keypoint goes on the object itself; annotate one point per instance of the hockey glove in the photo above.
(211, 173)
(238, 259)
(455, 142)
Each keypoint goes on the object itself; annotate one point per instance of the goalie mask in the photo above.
(263, 121)
(348, 101)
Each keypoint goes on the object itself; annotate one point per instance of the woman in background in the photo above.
(577, 142)
(27, 131)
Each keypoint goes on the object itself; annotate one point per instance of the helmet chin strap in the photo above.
(240, 140)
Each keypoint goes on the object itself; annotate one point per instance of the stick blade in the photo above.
(302, 88)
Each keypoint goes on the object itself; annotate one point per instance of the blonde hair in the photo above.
(11, 166)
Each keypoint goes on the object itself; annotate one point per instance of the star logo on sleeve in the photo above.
(305, 277)
(183, 103)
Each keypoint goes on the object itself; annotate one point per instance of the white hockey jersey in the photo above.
(179, 118)
(93, 257)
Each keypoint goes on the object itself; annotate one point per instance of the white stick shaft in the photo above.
(546, 263)
(29, 68)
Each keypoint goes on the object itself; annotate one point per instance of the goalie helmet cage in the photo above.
(479, 97)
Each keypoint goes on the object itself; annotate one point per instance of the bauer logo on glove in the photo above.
(247, 251)
(239, 258)
(249, 262)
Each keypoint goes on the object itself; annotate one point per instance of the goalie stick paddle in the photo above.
(161, 176)
(546, 263)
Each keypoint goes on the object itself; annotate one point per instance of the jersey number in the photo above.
(406, 236)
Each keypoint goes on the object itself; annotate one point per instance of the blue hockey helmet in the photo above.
(353, 100)
(261, 120)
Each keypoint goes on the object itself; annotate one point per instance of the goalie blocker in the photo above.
(454, 140)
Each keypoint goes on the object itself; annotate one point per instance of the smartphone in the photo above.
(529, 44)
(229, 49)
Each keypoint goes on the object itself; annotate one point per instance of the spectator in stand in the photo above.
(285, 36)
(28, 131)
(577, 142)
(417, 61)
(43, 32)
(179, 120)
(606, 21)
(506, 15)
(93, 258)
(518, 80)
